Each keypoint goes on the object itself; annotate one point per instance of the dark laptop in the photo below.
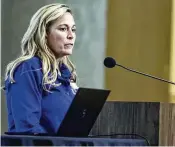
(83, 112)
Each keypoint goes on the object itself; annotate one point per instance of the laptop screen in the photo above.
(83, 112)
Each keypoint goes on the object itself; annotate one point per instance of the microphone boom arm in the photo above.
(154, 77)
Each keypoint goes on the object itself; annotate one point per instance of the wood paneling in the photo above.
(167, 124)
(123, 117)
(138, 36)
(167, 110)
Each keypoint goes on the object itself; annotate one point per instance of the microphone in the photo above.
(110, 62)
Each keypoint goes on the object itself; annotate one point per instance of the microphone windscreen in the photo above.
(109, 62)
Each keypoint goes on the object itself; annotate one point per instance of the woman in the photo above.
(40, 84)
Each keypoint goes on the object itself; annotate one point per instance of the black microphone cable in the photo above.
(122, 134)
(154, 77)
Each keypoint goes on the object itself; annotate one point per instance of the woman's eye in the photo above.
(62, 29)
(73, 30)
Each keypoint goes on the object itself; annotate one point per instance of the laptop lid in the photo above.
(83, 112)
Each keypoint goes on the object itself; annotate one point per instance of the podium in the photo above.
(24, 140)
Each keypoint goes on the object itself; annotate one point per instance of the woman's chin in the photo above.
(64, 54)
(67, 53)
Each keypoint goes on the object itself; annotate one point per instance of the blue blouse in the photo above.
(30, 108)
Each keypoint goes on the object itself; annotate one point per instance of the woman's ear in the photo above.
(47, 32)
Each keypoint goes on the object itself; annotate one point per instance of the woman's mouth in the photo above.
(69, 45)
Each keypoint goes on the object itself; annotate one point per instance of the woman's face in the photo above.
(61, 35)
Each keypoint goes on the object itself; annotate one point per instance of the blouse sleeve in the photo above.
(25, 99)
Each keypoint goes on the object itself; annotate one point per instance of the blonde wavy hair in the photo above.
(34, 43)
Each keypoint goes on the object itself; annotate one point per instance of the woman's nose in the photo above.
(70, 35)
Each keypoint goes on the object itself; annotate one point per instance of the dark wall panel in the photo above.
(122, 117)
